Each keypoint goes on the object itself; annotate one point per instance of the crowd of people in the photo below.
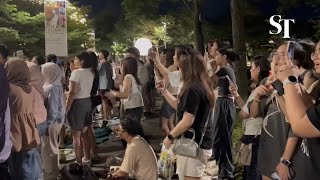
(41, 98)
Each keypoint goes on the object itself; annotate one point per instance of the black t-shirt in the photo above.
(314, 115)
(150, 68)
(223, 82)
(95, 84)
(195, 101)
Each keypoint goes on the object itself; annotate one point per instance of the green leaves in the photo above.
(22, 27)
(8, 35)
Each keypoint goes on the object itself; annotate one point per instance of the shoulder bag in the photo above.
(188, 147)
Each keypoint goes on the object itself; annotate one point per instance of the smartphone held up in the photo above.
(291, 50)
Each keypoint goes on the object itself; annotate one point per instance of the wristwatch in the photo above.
(290, 80)
(285, 162)
(170, 137)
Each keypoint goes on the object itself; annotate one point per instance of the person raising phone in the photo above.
(303, 115)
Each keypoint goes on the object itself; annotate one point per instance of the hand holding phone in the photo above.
(275, 176)
(277, 85)
(232, 87)
(291, 50)
(230, 81)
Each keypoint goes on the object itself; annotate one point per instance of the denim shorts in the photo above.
(25, 165)
(166, 110)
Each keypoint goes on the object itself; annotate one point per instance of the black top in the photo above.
(95, 84)
(4, 92)
(195, 101)
(314, 115)
(307, 156)
(223, 83)
(150, 68)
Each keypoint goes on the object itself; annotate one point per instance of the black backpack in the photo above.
(76, 171)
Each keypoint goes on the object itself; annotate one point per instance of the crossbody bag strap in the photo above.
(205, 126)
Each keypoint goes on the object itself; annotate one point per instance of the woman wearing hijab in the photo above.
(55, 104)
(37, 82)
(23, 161)
(40, 112)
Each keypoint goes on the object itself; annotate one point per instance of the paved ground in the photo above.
(113, 146)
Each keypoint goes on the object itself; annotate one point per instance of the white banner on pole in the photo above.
(56, 35)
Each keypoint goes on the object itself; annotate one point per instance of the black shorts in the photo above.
(79, 115)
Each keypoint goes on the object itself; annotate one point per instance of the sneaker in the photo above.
(87, 162)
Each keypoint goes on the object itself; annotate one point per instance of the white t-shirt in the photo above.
(140, 161)
(84, 77)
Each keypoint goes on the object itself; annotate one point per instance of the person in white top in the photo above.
(78, 105)
(260, 68)
(131, 91)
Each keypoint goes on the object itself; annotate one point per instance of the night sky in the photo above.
(213, 9)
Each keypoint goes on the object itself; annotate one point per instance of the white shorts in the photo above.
(193, 167)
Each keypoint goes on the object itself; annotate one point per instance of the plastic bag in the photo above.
(166, 163)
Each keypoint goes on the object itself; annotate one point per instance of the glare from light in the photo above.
(143, 44)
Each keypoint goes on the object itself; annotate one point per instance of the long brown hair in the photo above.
(130, 66)
(193, 69)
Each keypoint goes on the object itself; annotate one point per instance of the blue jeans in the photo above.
(42, 127)
(24, 165)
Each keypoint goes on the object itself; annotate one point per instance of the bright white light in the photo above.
(143, 44)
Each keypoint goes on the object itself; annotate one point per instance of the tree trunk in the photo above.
(197, 27)
(238, 36)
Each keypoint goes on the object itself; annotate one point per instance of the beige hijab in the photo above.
(18, 73)
(37, 79)
(52, 74)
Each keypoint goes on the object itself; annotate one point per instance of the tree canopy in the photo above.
(22, 27)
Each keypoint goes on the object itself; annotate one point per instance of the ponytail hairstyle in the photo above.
(263, 63)
(85, 57)
(231, 56)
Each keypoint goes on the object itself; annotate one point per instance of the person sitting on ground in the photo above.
(139, 160)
